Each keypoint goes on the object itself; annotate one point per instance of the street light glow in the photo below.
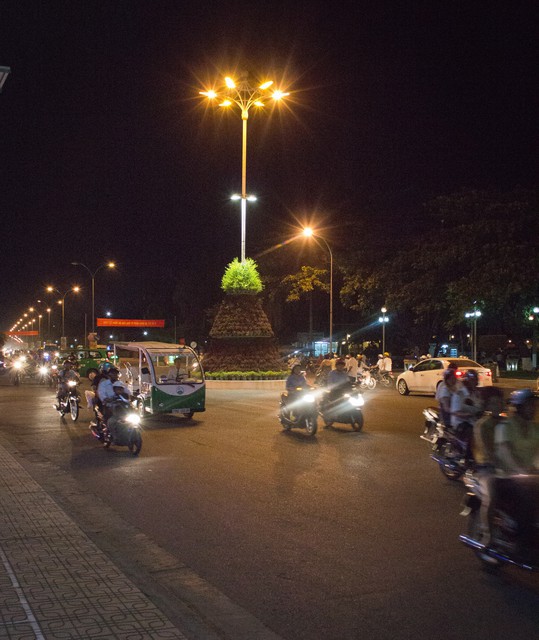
(211, 94)
(308, 232)
(244, 95)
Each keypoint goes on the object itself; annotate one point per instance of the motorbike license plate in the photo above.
(184, 410)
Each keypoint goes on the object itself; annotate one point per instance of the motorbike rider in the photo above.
(338, 377)
(516, 446)
(117, 405)
(388, 363)
(466, 407)
(66, 374)
(105, 392)
(445, 390)
(294, 382)
(352, 366)
(517, 438)
(484, 456)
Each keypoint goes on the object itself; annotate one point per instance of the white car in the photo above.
(427, 374)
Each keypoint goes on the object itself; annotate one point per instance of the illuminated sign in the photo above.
(126, 322)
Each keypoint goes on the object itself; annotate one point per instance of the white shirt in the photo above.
(105, 392)
(380, 364)
(352, 367)
(388, 364)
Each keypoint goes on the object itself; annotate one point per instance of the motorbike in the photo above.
(299, 410)
(449, 447)
(124, 432)
(344, 407)
(514, 517)
(44, 375)
(384, 378)
(18, 371)
(70, 403)
(366, 380)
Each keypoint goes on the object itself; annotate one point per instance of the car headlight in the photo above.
(133, 419)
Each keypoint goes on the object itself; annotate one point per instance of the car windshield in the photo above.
(171, 368)
(463, 362)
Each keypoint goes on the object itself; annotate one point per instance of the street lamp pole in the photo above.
(472, 316)
(4, 73)
(534, 317)
(383, 319)
(245, 96)
(110, 265)
(308, 232)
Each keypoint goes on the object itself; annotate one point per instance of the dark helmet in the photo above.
(340, 361)
(105, 367)
(519, 397)
(453, 365)
(449, 375)
(114, 370)
(69, 362)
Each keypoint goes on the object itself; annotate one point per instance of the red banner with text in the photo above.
(22, 333)
(126, 322)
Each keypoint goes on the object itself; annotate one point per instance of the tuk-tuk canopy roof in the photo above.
(150, 345)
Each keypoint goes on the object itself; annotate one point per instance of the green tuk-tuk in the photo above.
(163, 377)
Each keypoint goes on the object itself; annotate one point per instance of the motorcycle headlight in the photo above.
(133, 419)
(356, 401)
(54, 367)
(72, 383)
(43, 370)
(309, 397)
(18, 364)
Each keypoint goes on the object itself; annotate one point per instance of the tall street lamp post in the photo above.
(472, 316)
(382, 320)
(110, 265)
(49, 323)
(245, 96)
(4, 73)
(534, 317)
(308, 233)
(75, 289)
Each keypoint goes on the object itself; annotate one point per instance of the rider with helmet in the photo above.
(516, 449)
(445, 390)
(517, 439)
(65, 374)
(466, 407)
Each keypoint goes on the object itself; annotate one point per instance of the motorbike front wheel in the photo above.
(74, 409)
(135, 442)
(311, 425)
(357, 422)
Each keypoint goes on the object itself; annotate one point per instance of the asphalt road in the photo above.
(344, 535)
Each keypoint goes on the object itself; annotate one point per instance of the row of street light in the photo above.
(25, 323)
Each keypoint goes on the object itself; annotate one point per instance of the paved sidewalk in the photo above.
(54, 581)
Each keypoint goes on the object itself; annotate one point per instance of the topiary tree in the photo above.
(241, 338)
(242, 277)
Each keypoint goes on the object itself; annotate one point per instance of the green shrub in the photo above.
(242, 277)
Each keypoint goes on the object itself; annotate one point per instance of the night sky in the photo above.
(108, 152)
